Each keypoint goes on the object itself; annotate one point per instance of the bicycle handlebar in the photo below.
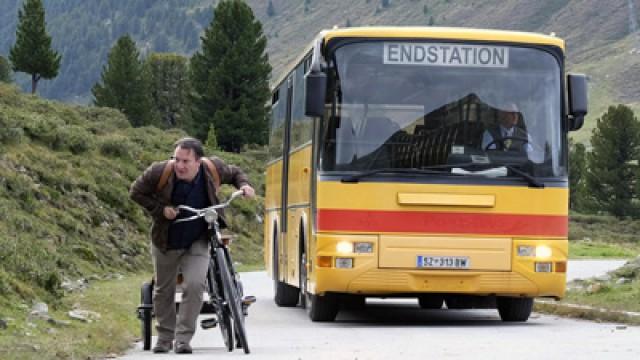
(210, 214)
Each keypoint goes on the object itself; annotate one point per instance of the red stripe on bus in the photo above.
(442, 223)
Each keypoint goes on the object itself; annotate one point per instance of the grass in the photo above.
(112, 333)
(600, 236)
(625, 297)
(602, 250)
(614, 297)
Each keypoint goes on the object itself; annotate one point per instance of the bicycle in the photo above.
(223, 286)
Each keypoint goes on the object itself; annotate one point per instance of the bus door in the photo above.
(284, 226)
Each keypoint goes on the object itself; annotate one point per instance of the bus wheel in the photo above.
(285, 294)
(322, 308)
(430, 301)
(514, 309)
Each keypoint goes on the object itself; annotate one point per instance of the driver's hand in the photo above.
(248, 191)
(170, 213)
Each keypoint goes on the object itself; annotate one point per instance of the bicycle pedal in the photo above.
(248, 300)
(208, 323)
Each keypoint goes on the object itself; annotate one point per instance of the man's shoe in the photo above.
(163, 346)
(183, 348)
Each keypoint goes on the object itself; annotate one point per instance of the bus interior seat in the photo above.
(377, 130)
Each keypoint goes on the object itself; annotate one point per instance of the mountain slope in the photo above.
(65, 212)
(602, 36)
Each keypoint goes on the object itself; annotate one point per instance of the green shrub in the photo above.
(10, 131)
(11, 135)
(42, 129)
(118, 146)
(21, 187)
(74, 138)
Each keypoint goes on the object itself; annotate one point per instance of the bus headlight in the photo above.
(543, 252)
(344, 247)
(540, 251)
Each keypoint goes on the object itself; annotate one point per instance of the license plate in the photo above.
(443, 262)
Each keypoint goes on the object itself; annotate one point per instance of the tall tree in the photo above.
(5, 70)
(167, 76)
(271, 10)
(230, 77)
(611, 176)
(32, 52)
(123, 84)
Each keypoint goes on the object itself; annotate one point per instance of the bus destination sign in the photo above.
(442, 54)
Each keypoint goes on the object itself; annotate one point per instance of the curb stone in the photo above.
(586, 312)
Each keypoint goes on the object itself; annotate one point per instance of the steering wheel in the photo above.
(504, 139)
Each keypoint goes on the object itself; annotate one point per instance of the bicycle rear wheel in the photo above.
(224, 318)
(233, 299)
(146, 293)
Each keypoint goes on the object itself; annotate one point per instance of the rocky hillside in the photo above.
(602, 36)
(65, 213)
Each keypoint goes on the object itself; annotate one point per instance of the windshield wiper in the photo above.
(531, 180)
(355, 178)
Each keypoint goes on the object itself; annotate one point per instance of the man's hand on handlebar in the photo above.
(170, 213)
(249, 192)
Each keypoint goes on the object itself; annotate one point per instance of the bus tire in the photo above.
(285, 294)
(514, 309)
(322, 308)
(431, 302)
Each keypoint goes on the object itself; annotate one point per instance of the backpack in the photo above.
(168, 170)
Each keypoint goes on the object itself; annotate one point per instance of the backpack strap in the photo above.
(168, 170)
(213, 170)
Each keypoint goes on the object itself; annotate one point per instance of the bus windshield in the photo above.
(472, 109)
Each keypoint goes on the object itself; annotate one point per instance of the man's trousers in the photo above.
(192, 264)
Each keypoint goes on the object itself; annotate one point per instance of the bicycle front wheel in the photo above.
(222, 314)
(233, 299)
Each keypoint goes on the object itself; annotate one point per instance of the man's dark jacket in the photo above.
(144, 192)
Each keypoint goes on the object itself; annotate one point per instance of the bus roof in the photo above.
(448, 33)
(426, 32)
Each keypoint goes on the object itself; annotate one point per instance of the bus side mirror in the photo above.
(577, 100)
(316, 89)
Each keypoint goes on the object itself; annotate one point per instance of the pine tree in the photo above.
(5, 70)
(230, 78)
(167, 77)
(212, 140)
(577, 170)
(123, 85)
(271, 10)
(611, 176)
(32, 52)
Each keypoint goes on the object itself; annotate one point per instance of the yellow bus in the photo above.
(421, 162)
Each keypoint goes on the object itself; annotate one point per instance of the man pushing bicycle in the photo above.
(190, 179)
